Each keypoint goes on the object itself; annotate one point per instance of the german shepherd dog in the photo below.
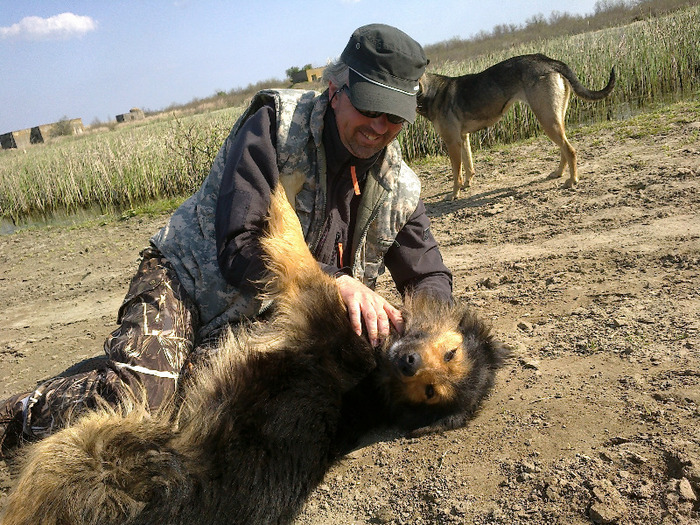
(263, 419)
(458, 106)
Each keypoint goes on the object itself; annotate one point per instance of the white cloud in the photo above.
(63, 26)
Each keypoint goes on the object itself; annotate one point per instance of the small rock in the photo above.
(530, 364)
(638, 459)
(384, 514)
(686, 491)
(603, 514)
(618, 440)
(644, 490)
(606, 457)
(607, 506)
(525, 326)
(498, 208)
(529, 467)
(523, 476)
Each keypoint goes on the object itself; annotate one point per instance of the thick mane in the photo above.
(253, 434)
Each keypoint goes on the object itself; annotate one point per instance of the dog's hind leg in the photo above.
(467, 161)
(550, 109)
(454, 150)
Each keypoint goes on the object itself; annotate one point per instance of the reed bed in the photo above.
(133, 164)
(656, 60)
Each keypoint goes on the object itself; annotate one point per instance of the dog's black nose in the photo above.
(410, 363)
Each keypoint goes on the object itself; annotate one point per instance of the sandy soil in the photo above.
(596, 419)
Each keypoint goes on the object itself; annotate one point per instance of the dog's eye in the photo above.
(449, 355)
(429, 391)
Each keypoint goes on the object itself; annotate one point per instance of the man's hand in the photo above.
(364, 304)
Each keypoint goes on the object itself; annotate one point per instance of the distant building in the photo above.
(16, 139)
(39, 134)
(308, 75)
(133, 114)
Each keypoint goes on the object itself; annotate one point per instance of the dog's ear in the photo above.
(495, 351)
(420, 102)
(499, 352)
(470, 324)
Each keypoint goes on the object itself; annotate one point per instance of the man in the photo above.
(337, 157)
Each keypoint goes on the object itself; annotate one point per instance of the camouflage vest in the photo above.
(389, 198)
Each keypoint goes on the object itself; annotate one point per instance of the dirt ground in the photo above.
(597, 417)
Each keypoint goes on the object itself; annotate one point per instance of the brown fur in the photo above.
(458, 106)
(261, 423)
(433, 377)
(254, 435)
(440, 370)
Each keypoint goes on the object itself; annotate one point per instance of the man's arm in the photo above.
(415, 261)
(415, 264)
(249, 175)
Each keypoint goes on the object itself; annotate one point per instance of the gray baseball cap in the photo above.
(385, 65)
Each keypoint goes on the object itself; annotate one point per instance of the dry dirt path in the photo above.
(597, 417)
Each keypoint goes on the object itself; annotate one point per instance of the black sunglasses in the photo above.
(394, 119)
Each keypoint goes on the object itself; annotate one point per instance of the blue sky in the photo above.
(95, 59)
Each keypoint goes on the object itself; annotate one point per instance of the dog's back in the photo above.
(478, 100)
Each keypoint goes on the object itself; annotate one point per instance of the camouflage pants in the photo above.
(144, 355)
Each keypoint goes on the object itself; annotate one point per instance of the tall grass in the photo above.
(655, 60)
(111, 170)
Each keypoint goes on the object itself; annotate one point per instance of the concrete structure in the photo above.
(308, 75)
(39, 134)
(133, 114)
(16, 139)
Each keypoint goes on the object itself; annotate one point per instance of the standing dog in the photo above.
(458, 106)
(267, 414)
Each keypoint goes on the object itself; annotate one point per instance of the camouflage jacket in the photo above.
(188, 240)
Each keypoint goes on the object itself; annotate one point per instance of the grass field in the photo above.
(656, 60)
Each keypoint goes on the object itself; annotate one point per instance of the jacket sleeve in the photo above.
(415, 261)
(250, 173)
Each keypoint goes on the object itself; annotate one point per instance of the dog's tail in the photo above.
(103, 470)
(293, 271)
(285, 252)
(581, 90)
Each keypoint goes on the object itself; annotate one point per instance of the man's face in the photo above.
(361, 135)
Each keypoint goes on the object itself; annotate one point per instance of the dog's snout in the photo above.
(410, 363)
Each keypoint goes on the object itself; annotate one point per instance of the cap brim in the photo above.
(369, 96)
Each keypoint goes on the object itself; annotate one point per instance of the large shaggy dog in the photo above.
(458, 106)
(261, 423)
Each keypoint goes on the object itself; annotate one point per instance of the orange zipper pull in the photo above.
(355, 184)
